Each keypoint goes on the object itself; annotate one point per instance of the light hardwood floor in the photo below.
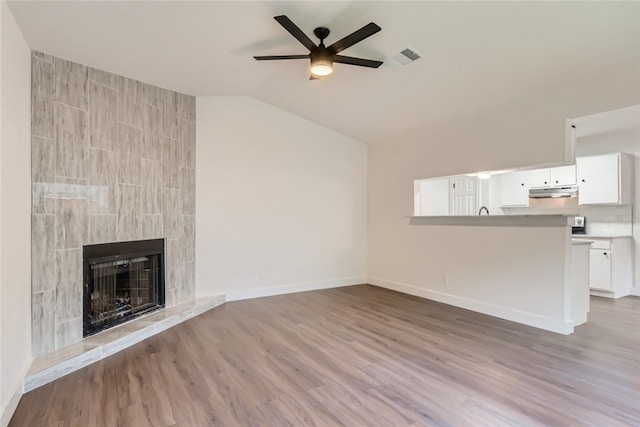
(357, 356)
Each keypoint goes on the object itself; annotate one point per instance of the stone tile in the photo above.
(103, 120)
(130, 102)
(103, 171)
(151, 132)
(152, 227)
(43, 322)
(103, 228)
(42, 98)
(130, 143)
(152, 95)
(71, 141)
(72, 223)
(172, 297)
(151, 187)
(72, 84)
(187, 237)
(170, 114)
(171, 213)
(188, 190)
(68, 284)
(40, 203)
(43, 258)
(68, 332)
(104, 78)
(187, 140)
(189, 280)
(172, 259)
(170, 162)
(60, 369)
(43, 56)
(186, 107)
(183, 281)
(42, 159)
(129, 217)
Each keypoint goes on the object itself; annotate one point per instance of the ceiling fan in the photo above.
(321, 56)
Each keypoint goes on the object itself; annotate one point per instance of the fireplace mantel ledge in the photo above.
(59, 363)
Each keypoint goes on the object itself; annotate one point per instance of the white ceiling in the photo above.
(476, 55)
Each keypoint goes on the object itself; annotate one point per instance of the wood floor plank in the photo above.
(355, 356)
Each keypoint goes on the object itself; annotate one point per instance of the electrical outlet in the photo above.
(445, 279)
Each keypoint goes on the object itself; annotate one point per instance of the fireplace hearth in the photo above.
(122, 281)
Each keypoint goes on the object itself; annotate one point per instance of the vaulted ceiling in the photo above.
(475, 55)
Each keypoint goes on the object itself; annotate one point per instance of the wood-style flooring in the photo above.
(357, 356)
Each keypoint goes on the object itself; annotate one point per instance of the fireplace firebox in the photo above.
(122, 281)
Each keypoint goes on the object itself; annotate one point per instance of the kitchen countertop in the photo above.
(600, 236)
(581, 242)
(553, 220)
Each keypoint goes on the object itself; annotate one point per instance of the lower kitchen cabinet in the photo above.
(611, 266)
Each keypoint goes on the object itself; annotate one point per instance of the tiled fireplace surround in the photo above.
(113, 159)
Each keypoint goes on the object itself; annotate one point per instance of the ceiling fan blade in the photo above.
(353, 38)
(357, 61)
(295, 31)
(272, 57)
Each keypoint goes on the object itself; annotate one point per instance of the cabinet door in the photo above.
(598, 179)
(563, 175)
(514, 190)
(538, 178)
(600, 269)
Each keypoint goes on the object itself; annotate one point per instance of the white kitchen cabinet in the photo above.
(605, 179)
(611, 266)
(514, 190)
(600, 269)
(562, 176)
(552, 177)
(538, 178)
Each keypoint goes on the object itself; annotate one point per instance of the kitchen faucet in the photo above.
(484, 208)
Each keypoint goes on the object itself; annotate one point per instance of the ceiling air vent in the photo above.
(405, 57)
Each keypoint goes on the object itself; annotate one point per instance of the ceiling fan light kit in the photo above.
(321, 63)
(322, 57)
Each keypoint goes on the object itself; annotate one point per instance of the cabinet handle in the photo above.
(605, 254)
(546, 182)
(556, 181)
(522, 184)
(582, 180)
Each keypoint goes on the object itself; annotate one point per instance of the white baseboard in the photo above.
(518, 316)
(9, 407)
(240, 294)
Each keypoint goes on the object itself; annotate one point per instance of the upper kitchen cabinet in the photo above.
(514, 190)
(552, 177)
(605, 179)
(538, 178)
(563, 175)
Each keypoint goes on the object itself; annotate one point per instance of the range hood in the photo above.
(567, 191)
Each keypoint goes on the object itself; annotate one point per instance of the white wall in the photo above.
(280, 201)
(15, 212)
(513, 272)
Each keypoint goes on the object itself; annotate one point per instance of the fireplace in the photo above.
(122, 281)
